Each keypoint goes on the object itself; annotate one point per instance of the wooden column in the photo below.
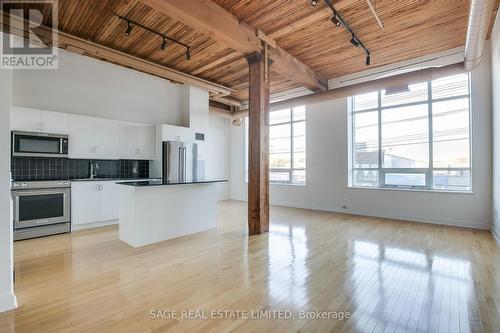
(258, 159)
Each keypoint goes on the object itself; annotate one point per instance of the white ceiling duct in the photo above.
(477, 30)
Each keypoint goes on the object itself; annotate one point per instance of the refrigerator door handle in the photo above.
(185, 163)
(179, 165)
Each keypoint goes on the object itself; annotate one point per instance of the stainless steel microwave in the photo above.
(36, 144)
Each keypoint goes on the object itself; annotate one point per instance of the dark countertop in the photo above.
(146, 183)
(104, 179)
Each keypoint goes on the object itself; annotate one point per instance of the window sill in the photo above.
(288, 184)
(408, 190)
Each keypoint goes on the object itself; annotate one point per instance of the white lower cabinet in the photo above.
(93, 202)
(109, 201)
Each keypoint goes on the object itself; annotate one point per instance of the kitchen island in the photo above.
(153, 211)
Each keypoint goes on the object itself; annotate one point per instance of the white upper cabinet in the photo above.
(136, 141)
(107, 141)
(34, 120)
(54, 122)
(147, 141)
(93, 137)
(25, 119)
(82, 135)
(90, 137)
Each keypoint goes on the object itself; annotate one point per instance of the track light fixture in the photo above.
(335, 19)
(354, 41)
(338, 20)
(165, 39)
(129, 29)
(313, 3)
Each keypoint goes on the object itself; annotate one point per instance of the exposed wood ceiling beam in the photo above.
(81, 46)
(214, 21)
(231, 56)
(227, 101)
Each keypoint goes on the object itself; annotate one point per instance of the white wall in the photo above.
(495, 69)
(217, 153)
(7, 298)
(87, 86)
(327, 170)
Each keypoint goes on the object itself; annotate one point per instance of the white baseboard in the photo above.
(496, 234)
(455, 223)
(76, 227)
(7, 302)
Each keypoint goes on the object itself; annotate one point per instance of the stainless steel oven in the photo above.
(41, 208)
(39, 144)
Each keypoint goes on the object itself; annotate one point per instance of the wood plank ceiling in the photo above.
(413, 28)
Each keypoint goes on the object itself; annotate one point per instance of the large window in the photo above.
(416, 138)
(287, 146)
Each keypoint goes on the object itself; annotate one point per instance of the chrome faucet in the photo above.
(93, 169)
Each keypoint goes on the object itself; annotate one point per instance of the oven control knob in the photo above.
(24, 184)
(15, 185)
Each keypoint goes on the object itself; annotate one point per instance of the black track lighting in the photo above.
(338, 20)
(165, 40)
(335, 20)
(129, 29)
(354, 41)
(164, 44)
(314, 3)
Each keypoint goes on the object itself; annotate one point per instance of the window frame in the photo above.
(291, 169)
(429, 171)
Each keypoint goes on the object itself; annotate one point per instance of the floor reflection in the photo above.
(403, 289)
(287, 263)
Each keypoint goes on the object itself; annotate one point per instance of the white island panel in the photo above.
(150, 214)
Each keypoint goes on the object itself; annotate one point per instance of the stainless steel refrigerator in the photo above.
(180, 161)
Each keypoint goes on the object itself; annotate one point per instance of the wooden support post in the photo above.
(258, 164)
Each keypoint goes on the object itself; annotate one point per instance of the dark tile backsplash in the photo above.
(35, 168)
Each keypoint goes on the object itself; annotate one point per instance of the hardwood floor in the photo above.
(391, 276)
